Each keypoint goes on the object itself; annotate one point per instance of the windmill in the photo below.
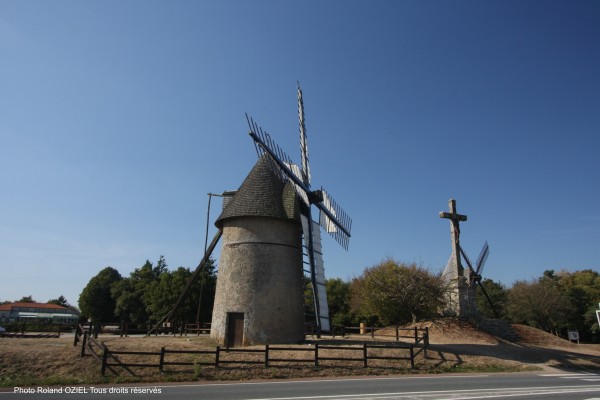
(463, 286)
(260, 292)
(332, 217)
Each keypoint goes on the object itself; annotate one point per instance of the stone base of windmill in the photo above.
(260, 291)
(462, 300)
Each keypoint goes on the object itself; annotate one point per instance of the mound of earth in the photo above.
(453, 330)
(534, 346)
(537, 337)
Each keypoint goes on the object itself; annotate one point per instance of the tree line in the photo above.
(388, 293)
(393, 292)
(147, 295)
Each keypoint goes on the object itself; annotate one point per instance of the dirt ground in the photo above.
(455, 346)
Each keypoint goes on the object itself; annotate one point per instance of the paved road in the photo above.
(531, 386)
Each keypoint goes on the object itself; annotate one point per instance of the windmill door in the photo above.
(235, 329)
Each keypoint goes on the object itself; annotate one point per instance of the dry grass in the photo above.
(455, 346)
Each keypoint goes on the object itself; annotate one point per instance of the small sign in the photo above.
(574, 336)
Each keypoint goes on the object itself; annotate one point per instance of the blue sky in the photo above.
(118, 117)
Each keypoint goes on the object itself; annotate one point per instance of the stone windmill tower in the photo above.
(260, 291)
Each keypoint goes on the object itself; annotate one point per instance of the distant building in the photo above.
(37, 312)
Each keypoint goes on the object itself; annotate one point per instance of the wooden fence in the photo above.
(419, 335)
(197, 328)
(270, 356)
(317, 355)
(34, 330)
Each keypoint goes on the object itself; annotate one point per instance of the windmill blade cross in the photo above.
(333, 218)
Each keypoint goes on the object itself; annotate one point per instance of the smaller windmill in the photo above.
(463, 285)
(475, 274)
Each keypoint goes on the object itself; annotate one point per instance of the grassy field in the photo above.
(454, 348)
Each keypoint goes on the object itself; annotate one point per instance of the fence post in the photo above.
(426, 341)
(316, 354)
(397, 334)
(267, 356)
(217, 356)
(412, 357)
(372, 332)
(84, 343)
(77, 333)
(416, 335)
(365, 354)
(162, 359)
(104, 357)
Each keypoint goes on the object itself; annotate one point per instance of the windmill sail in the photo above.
(317, 272)
(303, 142)
(485, 252)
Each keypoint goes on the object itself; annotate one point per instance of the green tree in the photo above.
(27, 299)
(96, 301)
(583, 289)
(164, 294)
(398, 292)
(338, 299)
(539, 303)
(60, 301)
(130, 306)
(207, 286)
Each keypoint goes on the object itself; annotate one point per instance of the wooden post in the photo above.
(84, 343)
(412, 357)
(397, 334)
(267, 356)
(372, 332)
(426, 340)
(217, 356)
(416, 335)
(316, 354)
(162, 359)
(76, 337)
(365, 354)
(104, 357)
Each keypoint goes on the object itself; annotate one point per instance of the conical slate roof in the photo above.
(262, 194)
